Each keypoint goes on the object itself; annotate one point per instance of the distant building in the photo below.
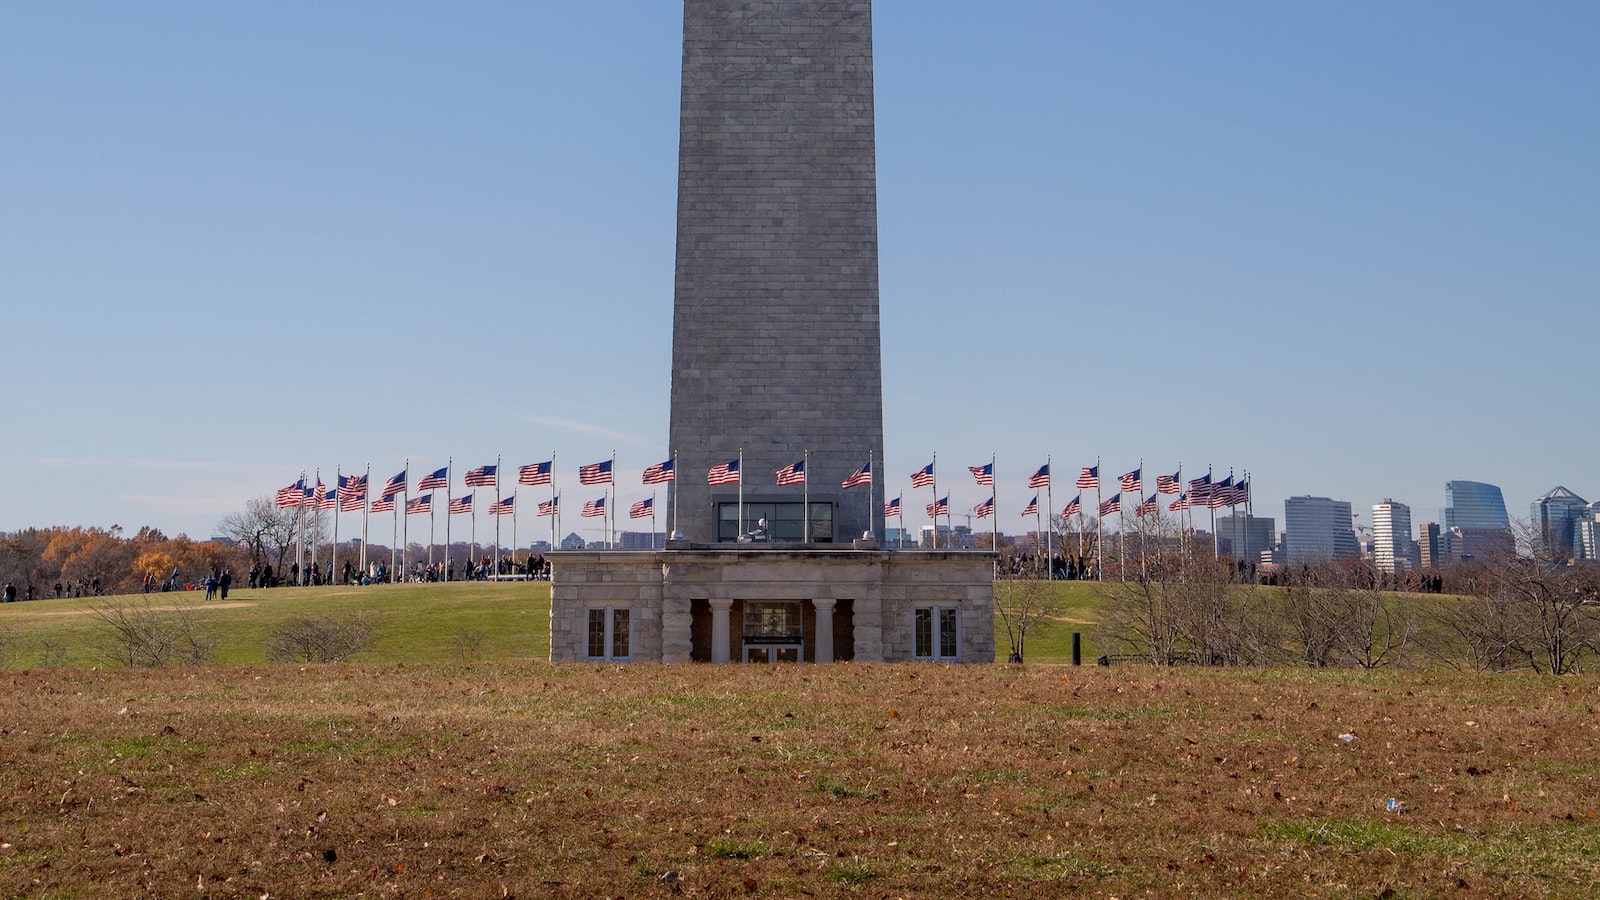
(1391, 537)
(1317, 528)
(1473, 504)
(641, 540)
(1555, 518)
(1245, 537)
(1587, 533)
(1428, 545)
(1475, 520)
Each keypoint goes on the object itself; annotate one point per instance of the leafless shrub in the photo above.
(467, 644)
(140, 633)
(10, 647)
(322, 639)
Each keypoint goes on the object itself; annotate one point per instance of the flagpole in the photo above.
(513, 529)
(1216, 546)
(741, 529)
(805, 496)
(333, 559)
(611, 503)
(405, 520)
(653, 509)
(366, 514)
(933, 479)
(994, 479)
(497, 462)
(674, 490)
(1144, 571)
(870, 516)
(555, 508)
(1049, 533)
(1100, 528)
(472, 542)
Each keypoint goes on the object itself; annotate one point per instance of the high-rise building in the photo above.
(1555, 518)
(1391, 537)
(1245, 537)
(1473, 504)
(1475, 520)
(1587, 533)
(1428, 545)
(1317, 528)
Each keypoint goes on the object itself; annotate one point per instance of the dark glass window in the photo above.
(784, 521)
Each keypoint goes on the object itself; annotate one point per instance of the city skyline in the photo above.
(240, 242)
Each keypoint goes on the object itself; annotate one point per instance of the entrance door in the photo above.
(772, 653)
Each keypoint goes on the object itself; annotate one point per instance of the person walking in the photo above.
(225, 583)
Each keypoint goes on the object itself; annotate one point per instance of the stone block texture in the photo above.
(776, 345)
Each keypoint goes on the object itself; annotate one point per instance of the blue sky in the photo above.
(1351, 247)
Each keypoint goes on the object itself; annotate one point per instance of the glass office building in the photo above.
(1473, 504)
(1391, 537)
(1317, 528)
(1555, 518)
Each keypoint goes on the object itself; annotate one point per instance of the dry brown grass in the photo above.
(881, 781)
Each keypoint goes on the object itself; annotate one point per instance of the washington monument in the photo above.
(775, 346)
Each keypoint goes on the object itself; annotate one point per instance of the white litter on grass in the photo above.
(1347, 737)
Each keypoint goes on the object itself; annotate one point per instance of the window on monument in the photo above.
(609, 633)
(785, 521)
(935, 631)
(772, 622)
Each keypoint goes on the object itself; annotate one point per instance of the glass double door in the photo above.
(773, 653)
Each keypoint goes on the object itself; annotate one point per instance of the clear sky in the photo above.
(1352, 247)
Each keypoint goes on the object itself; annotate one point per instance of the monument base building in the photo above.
(780, 603)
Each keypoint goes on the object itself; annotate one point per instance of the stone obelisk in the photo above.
(775, 345)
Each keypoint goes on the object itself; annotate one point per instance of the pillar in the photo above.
(721, 640)
(824, 610)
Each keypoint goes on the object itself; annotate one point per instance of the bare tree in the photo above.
(1309, 608)
(1375, 629)
(263, 528)
(1020, 605)
(142, 634)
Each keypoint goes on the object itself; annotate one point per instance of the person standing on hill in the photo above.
(10, 593)
(225, 583)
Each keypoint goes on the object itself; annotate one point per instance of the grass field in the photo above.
(507, 622)
(497, 779)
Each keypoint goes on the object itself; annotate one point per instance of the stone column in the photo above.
(824, 610)
(720, 639)
(676, 624)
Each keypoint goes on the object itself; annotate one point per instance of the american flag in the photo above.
(983, 474)
(1170, 484)
(393, 486)
(482, 476)
(548, 507)
(1073, 508)
(419, 505)
(1040, 478)
(724, 473)
(1241, 493)
(538, 473)
(352, 486)
(438, 479)
(1114, 504)
(660, 473)
(941, 508)
(383, 506)
(985, 509)
(461, 505)
(1089, 477)
(1150, 505)
(353, 504)
(594, 508)
(320, 498)
(1221, 492)
(642, 509)
(891, 508)
(329, 502)
(1180, 504)
(1131, 483)
(923, 476)
(595, 473)
(503, 507)
(291, 495)
(861, 476)
(1200, 490)
(793, 473)
(1032, 509)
